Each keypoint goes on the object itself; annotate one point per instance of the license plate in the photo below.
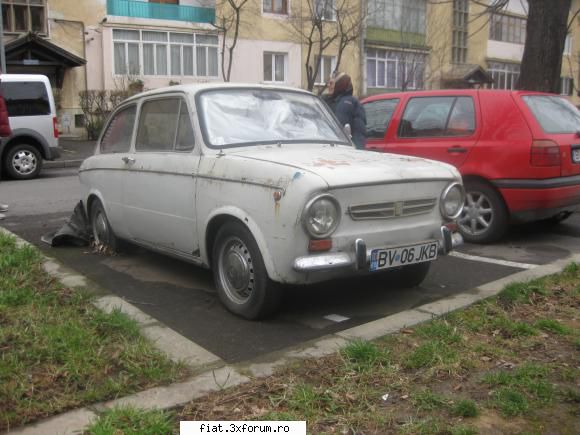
(576, 155)
(403, 255)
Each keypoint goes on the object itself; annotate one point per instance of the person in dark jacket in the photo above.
(5, 131)
(347, 108)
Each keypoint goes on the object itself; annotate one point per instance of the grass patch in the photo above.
(511, 402)
(426, 400)
(58, 350)
(553, 326)
(465, 408)
(363, 355)
(463, 430)
(439, 330)
(129, 421)
(430, 354)
(521, 292)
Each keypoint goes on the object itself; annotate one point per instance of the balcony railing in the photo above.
(160, 11)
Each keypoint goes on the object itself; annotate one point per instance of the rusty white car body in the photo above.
(262, 185)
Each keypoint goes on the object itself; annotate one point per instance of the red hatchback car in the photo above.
(518, 152)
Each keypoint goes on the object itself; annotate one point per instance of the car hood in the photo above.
(346, 166)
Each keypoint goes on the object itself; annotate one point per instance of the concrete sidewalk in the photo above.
(73, 152)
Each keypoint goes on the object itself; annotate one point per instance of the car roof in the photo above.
(452, 92)
(195, 88)
(24, 78)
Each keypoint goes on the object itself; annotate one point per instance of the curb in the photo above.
(215, 378)
(62, 164)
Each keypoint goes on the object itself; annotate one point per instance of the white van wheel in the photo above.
(23, 162)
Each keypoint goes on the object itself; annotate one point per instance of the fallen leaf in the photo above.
(485, 358)
(405, 397)
(457, 387)
(406, 331)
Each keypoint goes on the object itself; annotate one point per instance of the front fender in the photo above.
(254, 228)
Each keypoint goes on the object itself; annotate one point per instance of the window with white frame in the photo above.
(20, 16)
(568, 45)
(395, 69)
(505, 75)
(402, 15)
(507, 28)
(153, 53)
(327, 66)
(275, 6)
(566, 86)
(325, 9)
(275, 67)
(460, 20)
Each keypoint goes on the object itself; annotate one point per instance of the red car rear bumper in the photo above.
(539, 199)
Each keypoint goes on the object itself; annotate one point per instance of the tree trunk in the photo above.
(545, 38)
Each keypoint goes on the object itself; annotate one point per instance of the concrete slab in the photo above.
(70, 423)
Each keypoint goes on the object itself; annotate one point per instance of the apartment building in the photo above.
(416, 44)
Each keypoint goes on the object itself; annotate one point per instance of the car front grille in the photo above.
(389, 210)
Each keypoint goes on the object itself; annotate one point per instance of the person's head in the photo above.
(342, 84)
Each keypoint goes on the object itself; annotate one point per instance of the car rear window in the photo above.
(379, 114)
(554, 114)
(26, 98)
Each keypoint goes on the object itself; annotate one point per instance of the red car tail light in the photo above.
(54, 126)
(545, 153)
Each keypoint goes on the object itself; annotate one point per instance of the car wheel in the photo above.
(410, 276)
(484, 218)
(101, 230)
(23, 162)
(241, 279)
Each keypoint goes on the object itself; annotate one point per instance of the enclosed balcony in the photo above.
(162, 10)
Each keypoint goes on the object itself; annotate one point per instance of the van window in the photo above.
(26, 98)
(379, 114)
(157, 125)
(117, 137)
(555, 114)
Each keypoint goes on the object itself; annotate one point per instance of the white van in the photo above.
(32, 114)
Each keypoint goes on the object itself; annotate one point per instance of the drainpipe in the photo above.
(2, 53)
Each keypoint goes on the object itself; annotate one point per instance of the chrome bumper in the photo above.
(360, 257)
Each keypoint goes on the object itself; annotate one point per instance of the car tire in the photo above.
(23, 162)
(485, 217)
(240, 276)
(101, 230)
(410, 276)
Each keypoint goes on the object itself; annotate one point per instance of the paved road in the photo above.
(182, 296)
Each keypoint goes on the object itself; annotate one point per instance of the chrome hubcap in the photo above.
(477, 215)
(236, 271)
(24, 162)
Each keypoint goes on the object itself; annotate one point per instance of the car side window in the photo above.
(426, 117)
(379, 114)
(185, 140)
(117, 137)
(462, 119)
(26, 98)
(157, 125)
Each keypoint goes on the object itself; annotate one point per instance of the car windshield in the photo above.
(555, 114)
(241, 117)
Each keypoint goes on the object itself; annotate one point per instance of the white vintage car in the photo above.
(262, 185)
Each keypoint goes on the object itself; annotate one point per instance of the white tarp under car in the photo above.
(262, 185)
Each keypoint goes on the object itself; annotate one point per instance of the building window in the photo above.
(275, 67)
(403, 15)
(460, 20)
(326, 68)
(505, 75)
(275, 6)
(143, 52)
(566, 86)
(568, 45)
(395, 69)
(24, 16)
(325, 9)
(507, 28)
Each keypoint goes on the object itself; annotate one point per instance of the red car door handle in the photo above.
(456, 149)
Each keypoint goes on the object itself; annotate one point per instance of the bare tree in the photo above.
(322, 25)
(228, 21)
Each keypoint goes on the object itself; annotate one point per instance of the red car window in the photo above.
(379, 114)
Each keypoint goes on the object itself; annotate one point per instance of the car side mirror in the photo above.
(347, 130)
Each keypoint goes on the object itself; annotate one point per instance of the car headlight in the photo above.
(452, 201)
(321, 216)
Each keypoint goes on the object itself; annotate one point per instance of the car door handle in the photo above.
(456, 149)
(128, 160)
